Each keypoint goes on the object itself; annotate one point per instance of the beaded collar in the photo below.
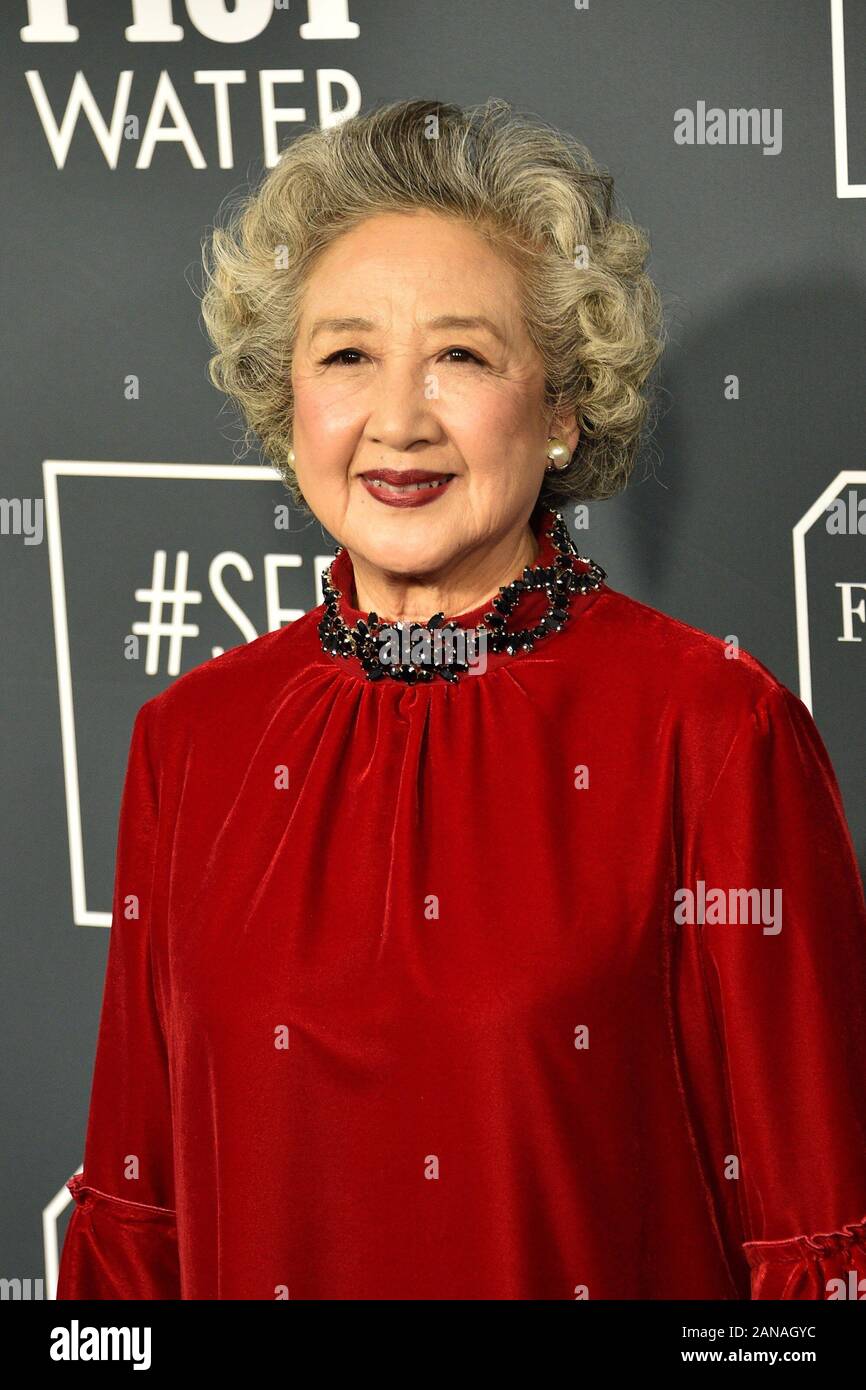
(419, 652)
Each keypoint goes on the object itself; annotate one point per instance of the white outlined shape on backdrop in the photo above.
(801, 582)
(52, 469)
(51, 1213)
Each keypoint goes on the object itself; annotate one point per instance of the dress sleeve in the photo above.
(788, 991)
(121, 1241)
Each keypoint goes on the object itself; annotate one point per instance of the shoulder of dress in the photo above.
(244, 678)
(684, 663)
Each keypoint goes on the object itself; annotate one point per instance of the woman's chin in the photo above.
(399, 557)
(409, 539)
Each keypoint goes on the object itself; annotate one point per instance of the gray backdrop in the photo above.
(757, 248)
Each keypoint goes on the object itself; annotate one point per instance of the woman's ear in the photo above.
(566, 428)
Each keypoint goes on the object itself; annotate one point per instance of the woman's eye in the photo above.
(466, 352)
(340, 355)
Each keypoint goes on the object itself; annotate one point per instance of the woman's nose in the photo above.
(402, 407)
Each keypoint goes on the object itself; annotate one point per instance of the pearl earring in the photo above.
(290, 457)
(560, 454)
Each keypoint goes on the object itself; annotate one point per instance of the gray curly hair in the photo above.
(590, 309)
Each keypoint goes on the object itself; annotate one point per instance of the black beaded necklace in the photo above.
(364, 640)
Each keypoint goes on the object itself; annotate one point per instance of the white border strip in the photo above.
(844, 189)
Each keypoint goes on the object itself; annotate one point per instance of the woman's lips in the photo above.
(416, 494)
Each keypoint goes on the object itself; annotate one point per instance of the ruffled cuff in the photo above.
(831, 1266)
(118, 1249)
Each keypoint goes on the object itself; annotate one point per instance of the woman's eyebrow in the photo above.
(359, 325)
(466, 321)
(341, 326)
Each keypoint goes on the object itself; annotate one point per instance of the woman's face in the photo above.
(395, 390)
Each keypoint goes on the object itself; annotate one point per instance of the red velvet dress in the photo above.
(404, 999)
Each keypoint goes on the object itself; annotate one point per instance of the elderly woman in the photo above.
(484, 934)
